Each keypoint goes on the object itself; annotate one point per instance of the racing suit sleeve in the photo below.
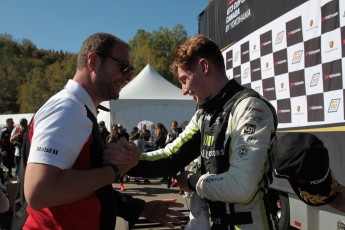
(251, 130)
(174, 157)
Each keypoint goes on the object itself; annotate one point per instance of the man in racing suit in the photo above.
(232, 130)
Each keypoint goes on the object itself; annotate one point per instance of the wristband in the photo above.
(116, 171)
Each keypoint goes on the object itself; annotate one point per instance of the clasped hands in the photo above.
(124, 155)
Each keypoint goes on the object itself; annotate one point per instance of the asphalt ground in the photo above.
(155, 190)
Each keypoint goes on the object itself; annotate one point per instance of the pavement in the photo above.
(156, 190)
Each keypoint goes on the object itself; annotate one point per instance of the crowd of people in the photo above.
(11, 142)
(144, 141)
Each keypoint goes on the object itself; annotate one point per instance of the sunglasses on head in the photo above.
(126, 67)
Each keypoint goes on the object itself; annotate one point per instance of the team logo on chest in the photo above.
(243, 152)
(249, 128)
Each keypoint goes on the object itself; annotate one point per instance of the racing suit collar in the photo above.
(222, 97)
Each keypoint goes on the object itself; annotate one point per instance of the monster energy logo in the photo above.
(208, 140)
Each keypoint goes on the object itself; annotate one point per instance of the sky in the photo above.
(64, 24)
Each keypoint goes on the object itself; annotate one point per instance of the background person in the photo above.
(146, 134)
(172, 135)
(104, 131)
(17, 138)
(114, 137)
(158, 143)
(174, 132)
(6, 147)
(160, 136)
(122, 132)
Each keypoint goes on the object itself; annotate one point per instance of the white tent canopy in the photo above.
(148, 97)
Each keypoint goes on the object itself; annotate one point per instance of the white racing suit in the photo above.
(233, 132)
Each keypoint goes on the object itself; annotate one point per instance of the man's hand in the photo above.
(339, 201)
(159, 211)
(124, 156)
(182, 180)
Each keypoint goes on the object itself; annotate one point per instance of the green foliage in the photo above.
(157, 49)
(29, 76)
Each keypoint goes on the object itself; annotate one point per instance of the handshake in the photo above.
(124, 155)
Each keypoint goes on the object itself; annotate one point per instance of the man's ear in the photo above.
(91, 61)
(203, 62)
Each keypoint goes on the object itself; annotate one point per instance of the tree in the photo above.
(30, 76)
(157, 49)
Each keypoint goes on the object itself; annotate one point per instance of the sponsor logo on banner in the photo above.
(249, 129)
(255, 67)
(312, 24)
(331, 47)
(331, 44)
(246, 72)
(334, 105)
(282, 86)
(266, 43)
(314, 79)
(297, 57)
(279, 37)
(229, 60)
(237, 74)
(343, 41)
(280, 62)
(245, 52)
(236, 13)
(332, 76)
(312, 49)
(268, 86)
(298, 110)
(315, 107)
(330, 16)
(236, 56)
(297, 83)
(294, 31)
(284, 111)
